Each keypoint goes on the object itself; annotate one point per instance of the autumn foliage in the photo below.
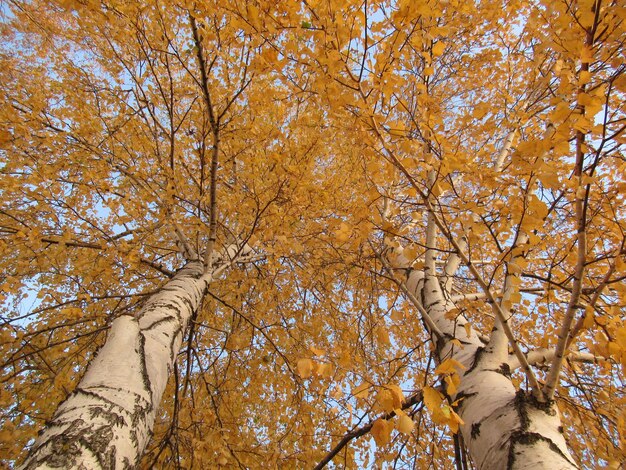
(323, 164)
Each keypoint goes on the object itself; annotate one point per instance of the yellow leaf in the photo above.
(399, 130)
(586, 54)
(586, 18)
(432, 398)
(385, 400)
(449, 366)
(305, 368)
(383, 336)
(584, 77)
(436, 190)
(397, 395)
(381, 431)
(253, 13)
(362, 391)
(452, 313)
(455, 417)
(480, 110)
(325, 370)
(5, 136)
(585, 99)
(582, 124)
(514, 268)
(620, 337)
(453, 382)
(343, 233)
(560, 113)
(438, 49)
(345, 360)
(515, 298)
(317, 351)
(72, 313)
(454, 426)
(405, 424)
(397, 315)
(410, 252)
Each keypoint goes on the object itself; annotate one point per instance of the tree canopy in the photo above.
(390, 197)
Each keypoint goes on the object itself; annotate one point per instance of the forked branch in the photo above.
(532, 379)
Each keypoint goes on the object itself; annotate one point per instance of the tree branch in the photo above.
(204, 84)
(580, 206)
(532, 379)
(542, 356)
(416, 303)
(409, 402)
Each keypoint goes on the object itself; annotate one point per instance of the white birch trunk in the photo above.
(504, 428)
(107, 421)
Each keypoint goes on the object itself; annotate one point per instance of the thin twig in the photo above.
(409, 402)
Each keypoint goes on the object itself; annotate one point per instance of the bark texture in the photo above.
(504, 428)
(107, 421)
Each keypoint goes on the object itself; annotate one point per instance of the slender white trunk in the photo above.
(504, 428)
(107, 421)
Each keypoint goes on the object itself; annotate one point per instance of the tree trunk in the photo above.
(503, 428)
(107, 421)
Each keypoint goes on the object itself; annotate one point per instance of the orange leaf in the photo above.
(381, 431)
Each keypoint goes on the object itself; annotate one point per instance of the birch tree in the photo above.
(295, 235)
(137, 172)
(492, 152)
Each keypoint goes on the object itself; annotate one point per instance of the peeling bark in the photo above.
(107, 421)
